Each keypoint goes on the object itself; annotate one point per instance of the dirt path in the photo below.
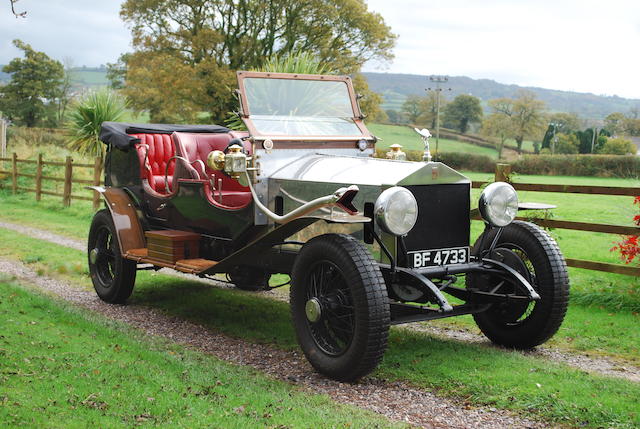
(601, 366)
(395, 400)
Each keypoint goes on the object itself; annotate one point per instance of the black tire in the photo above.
(112, 275)
(250, 278)
(349, 338)
(524, 326)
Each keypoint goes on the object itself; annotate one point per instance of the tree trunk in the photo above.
(519, 143)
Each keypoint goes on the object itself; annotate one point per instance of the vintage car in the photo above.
(206, 200)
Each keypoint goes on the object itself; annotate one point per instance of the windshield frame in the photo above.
(245, 109)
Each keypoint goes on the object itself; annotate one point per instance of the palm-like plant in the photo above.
(297, 62)
(86, 117)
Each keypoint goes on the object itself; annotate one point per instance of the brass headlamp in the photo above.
(233, 163)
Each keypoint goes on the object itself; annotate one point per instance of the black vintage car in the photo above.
(207, 200)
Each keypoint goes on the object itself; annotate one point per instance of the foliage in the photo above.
(568, 122)
(87, 116)
(566, 144)
(413, 108)
(628, 247)
(579, 165)
(35, 83)
(614, 123)
(463, 111)
(191, 48)
(497, 126)
(525, 112)
(618, 146)
(395, 117)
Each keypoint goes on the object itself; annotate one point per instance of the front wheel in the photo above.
(533, 253)
(339, 306)
(112, 275)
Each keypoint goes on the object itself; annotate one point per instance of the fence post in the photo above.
(97, 170)
(3, 139)
(14, 173)
(39, 178)
(68, 171)
(503, 173)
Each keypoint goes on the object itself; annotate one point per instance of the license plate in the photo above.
(435, 257)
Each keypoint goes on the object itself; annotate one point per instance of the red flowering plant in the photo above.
(629, 247)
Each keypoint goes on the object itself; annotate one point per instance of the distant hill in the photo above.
(81, 77)
(396, 87)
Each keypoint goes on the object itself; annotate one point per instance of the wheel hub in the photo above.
(313, 310)
(93, 255)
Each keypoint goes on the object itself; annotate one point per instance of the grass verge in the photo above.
(63, 367)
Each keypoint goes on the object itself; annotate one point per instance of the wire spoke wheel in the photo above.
(339, 306)
(529, 250)
(112, 275)
(333, 330)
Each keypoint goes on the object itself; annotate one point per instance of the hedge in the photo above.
(579, 165)
(458, 161)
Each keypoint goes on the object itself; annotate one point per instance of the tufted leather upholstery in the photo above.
(197, 146)
(158, 148)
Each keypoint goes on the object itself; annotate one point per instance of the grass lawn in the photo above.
(63, 367)
(480, 374)
(410, 140)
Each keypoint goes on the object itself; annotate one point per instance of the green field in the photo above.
(410, 140)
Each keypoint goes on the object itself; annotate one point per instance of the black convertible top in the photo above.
(117, 133)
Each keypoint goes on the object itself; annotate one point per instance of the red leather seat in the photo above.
(196, 147)
(154, 152)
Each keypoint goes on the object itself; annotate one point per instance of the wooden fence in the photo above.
(503, 172)
(68, 179)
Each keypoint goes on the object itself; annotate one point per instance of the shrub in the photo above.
(87, 116)
(628, 247)
(618, 146)
(567, 144)
(579, 165)
(458, 161)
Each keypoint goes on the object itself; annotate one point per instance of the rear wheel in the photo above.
(339, 306)
(534, 254)
(112, 275)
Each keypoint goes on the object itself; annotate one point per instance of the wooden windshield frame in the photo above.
(245, 112)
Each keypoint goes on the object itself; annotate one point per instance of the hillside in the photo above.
(396, 87)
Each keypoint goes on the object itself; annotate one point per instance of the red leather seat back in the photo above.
(159, 149)
(197, 146)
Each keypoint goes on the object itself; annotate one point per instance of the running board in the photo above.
(190, 266)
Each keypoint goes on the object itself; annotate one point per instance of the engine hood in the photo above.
(352, 170)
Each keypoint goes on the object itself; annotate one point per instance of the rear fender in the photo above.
(125, 219)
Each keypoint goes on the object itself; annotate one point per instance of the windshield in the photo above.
(300, 107)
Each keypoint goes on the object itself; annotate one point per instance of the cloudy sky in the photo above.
(576, 45)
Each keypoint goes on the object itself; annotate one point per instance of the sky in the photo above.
(584, 46)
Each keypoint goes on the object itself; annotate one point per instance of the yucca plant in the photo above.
(297, 62)
(87, 115)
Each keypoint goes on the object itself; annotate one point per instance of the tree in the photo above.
(499, 127)
(35, 81)
(614, 123)
(463, 111)
(87, 116)
(207, 41)
(413, 108)
(525, 112)
(567, 121)
(430, 108)
(13, 9)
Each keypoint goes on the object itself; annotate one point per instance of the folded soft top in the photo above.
(118, 135)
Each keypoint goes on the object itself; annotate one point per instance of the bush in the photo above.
(580, 165)
(567, 144)
(618, 146)
(458, 161)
